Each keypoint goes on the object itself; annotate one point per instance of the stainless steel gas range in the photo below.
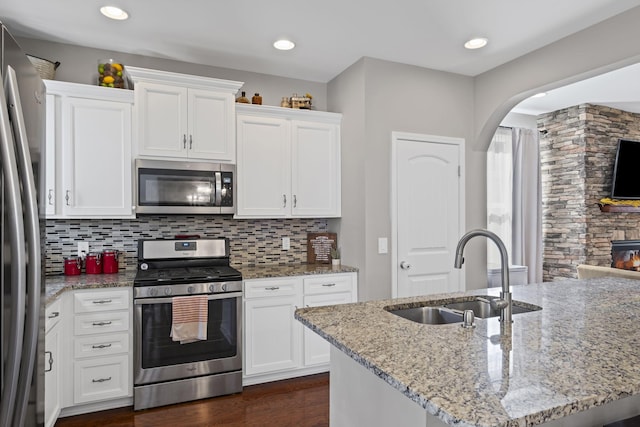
(166, 371)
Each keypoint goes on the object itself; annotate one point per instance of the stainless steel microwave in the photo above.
(176, 187)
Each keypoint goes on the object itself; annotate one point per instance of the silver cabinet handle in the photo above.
(67, 197)
(295, 201)
(284, 200)
(190, 142)
(50, 196)
(102, 323)
(53, 315)
(184, 140)
(328, 285)
(272, 288)
(102, 301)
(100, 380)
(99, 346)
(405, 265)
(50, 361)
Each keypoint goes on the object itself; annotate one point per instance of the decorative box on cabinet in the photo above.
(275, 345)
(288, 163)
(88, 137)
(184, 116)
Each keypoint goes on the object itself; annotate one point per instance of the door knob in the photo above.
(405, 265)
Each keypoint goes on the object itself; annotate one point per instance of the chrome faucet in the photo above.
(504, 303)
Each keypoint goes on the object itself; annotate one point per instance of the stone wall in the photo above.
(578, 146)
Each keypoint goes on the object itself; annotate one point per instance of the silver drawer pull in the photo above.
(102, 323)
(53, 315)
(102, 301)
(101, 380)
(272, 288)
(101, 346)
(328, 285)
(50, 361)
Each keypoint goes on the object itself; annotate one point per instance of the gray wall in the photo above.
(80, 65)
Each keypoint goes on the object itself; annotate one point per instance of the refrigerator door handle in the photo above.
(32, 234)
(15, 230)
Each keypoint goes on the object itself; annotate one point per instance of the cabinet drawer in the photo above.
(326, 284)
(101, 378)
(268, 288)
(92, 301)
(52, 314)
(101, 345)
(95, 323)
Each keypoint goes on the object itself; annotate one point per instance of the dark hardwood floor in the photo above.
(300, 402)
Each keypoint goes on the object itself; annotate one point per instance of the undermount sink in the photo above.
(452, 312)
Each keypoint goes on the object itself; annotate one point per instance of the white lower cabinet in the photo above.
(97, 351)
(52, 362)
(277, 346)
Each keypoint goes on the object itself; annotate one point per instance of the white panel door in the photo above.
(162, 120)
(96, 158)
(315, 181)
(428, 217)
(212, 132)
(264, 167)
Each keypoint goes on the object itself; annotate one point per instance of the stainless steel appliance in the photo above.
(165, 371)
(22, 153)
(172, 187)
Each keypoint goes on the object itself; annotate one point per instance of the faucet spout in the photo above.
(504, 303)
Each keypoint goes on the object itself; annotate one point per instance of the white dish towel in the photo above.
(190, 316)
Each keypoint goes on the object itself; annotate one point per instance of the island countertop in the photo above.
(580, 351)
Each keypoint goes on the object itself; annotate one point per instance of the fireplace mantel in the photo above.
(618, 208)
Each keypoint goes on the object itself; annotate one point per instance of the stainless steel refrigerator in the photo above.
(22, 154)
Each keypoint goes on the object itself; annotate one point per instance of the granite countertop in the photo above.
(56, 285)
(579, 351)
(266, 271)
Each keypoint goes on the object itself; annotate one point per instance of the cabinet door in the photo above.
(101, 378)
(272, 335)
(96, 158)
(315, 178)
(161, 114)
(211, 120)
(316, 348)
(52, 365)
(263, 169)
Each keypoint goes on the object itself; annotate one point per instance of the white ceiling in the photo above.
(330, 35)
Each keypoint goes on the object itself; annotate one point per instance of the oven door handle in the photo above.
(166, 300)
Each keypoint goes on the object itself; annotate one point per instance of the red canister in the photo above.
(93, 263)
(72, 265)
(109, 261)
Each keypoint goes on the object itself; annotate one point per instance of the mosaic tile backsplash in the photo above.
(253, 242)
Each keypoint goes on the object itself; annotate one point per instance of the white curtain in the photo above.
(499, 189)
(527, 203)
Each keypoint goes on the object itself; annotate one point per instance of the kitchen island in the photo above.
(575, 362)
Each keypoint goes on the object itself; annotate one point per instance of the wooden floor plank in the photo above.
(300, 402)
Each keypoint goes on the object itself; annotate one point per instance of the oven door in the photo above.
(158, 358)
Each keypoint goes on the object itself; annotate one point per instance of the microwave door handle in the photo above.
(218, 189)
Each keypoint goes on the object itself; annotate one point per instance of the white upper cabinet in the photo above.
(182, 116)
(89, 165)
(288, 163)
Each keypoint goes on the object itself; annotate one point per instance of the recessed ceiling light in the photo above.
(114, 12)
(476, 43)
(284, 44)
(539, 95)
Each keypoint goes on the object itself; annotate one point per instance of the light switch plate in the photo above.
(83, 248)
(286, 243)
(383, 245)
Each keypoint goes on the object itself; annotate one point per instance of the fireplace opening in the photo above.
(625, 254)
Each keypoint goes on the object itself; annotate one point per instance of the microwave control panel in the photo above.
(227, 189)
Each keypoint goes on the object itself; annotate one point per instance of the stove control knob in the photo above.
(144, 266)
(224, 287)
(191, 289)
(153, 292)
(212, 288)
(167, 291)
